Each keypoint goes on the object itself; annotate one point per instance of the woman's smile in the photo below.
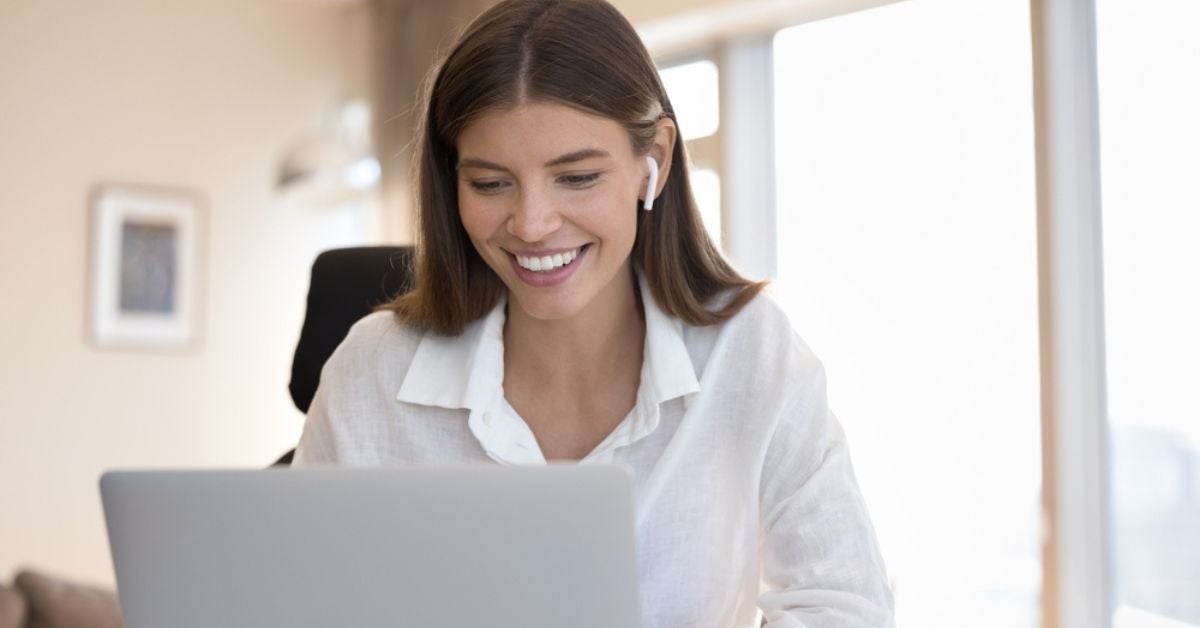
(548, 270)
(546, 262)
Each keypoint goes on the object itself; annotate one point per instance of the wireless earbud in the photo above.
(652, 187)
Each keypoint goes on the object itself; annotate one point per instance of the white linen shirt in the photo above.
(745, 495)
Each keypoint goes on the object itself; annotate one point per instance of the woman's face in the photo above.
(549, 197)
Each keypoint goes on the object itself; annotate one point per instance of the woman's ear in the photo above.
(662, 150)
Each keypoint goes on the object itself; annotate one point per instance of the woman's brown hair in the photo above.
(586, 55)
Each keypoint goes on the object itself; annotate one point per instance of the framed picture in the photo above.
(145, 262)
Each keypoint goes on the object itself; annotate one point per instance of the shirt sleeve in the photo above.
(342, 399)
(316, 445)
(821, 562)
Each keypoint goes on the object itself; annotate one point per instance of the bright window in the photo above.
(694, 89)
(907, 259)
(706, 185)
(694, 93)
(1149, 72)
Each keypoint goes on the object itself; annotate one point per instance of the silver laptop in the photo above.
(486, 547)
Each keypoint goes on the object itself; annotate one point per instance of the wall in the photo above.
(642, 11)
(204, 94)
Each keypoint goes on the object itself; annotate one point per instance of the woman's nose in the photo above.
(534, 218)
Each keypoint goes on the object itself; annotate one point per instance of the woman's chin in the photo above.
(544, 307)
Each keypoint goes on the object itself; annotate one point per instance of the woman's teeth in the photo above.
(546, 263)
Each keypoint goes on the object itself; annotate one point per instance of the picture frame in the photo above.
(146, 247)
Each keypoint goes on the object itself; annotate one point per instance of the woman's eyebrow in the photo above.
(473, 162)
(579, 155)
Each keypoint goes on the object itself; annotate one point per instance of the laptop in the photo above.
(462, 547)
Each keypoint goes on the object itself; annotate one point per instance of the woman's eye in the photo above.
(488, 187)
(579, 180)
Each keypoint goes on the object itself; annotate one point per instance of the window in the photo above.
(1149, 61)
(694, 91)
(906, 225)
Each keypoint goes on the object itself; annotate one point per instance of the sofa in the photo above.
(37, 600)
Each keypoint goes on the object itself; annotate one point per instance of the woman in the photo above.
(569, 306)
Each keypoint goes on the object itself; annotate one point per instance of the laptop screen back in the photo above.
(493, 547)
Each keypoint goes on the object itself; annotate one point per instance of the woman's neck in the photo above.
(589, 347)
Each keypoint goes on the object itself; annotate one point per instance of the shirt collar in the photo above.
(667, 370)
(464, 371)
(467, 371)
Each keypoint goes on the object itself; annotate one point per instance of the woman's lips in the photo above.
(547, 278)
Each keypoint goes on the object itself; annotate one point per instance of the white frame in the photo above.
(747, 169)
(1077, 564)
(112, 206)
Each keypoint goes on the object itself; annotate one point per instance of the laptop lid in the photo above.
(494, 547)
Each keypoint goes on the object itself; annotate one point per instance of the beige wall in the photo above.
(641, 11)
(204, 94)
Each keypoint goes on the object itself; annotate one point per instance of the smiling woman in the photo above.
(545, 52)
(554, 319)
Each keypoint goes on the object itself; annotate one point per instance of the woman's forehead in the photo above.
(539, 132)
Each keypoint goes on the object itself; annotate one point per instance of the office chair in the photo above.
(346, 285)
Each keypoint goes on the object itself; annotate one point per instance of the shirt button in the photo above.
(487, 419)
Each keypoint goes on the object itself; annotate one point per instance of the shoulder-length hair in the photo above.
(586, 55)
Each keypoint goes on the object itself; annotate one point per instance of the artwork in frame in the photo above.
(145, 262)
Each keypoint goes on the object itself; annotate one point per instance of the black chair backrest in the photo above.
(346, 285)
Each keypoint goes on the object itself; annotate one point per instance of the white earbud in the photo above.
(652, 187)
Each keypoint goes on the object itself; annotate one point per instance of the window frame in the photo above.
(1077, 561)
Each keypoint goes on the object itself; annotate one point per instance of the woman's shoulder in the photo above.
(377, 328)
(378, 341)
(762, 313)
(760, 316)
(760, 333)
